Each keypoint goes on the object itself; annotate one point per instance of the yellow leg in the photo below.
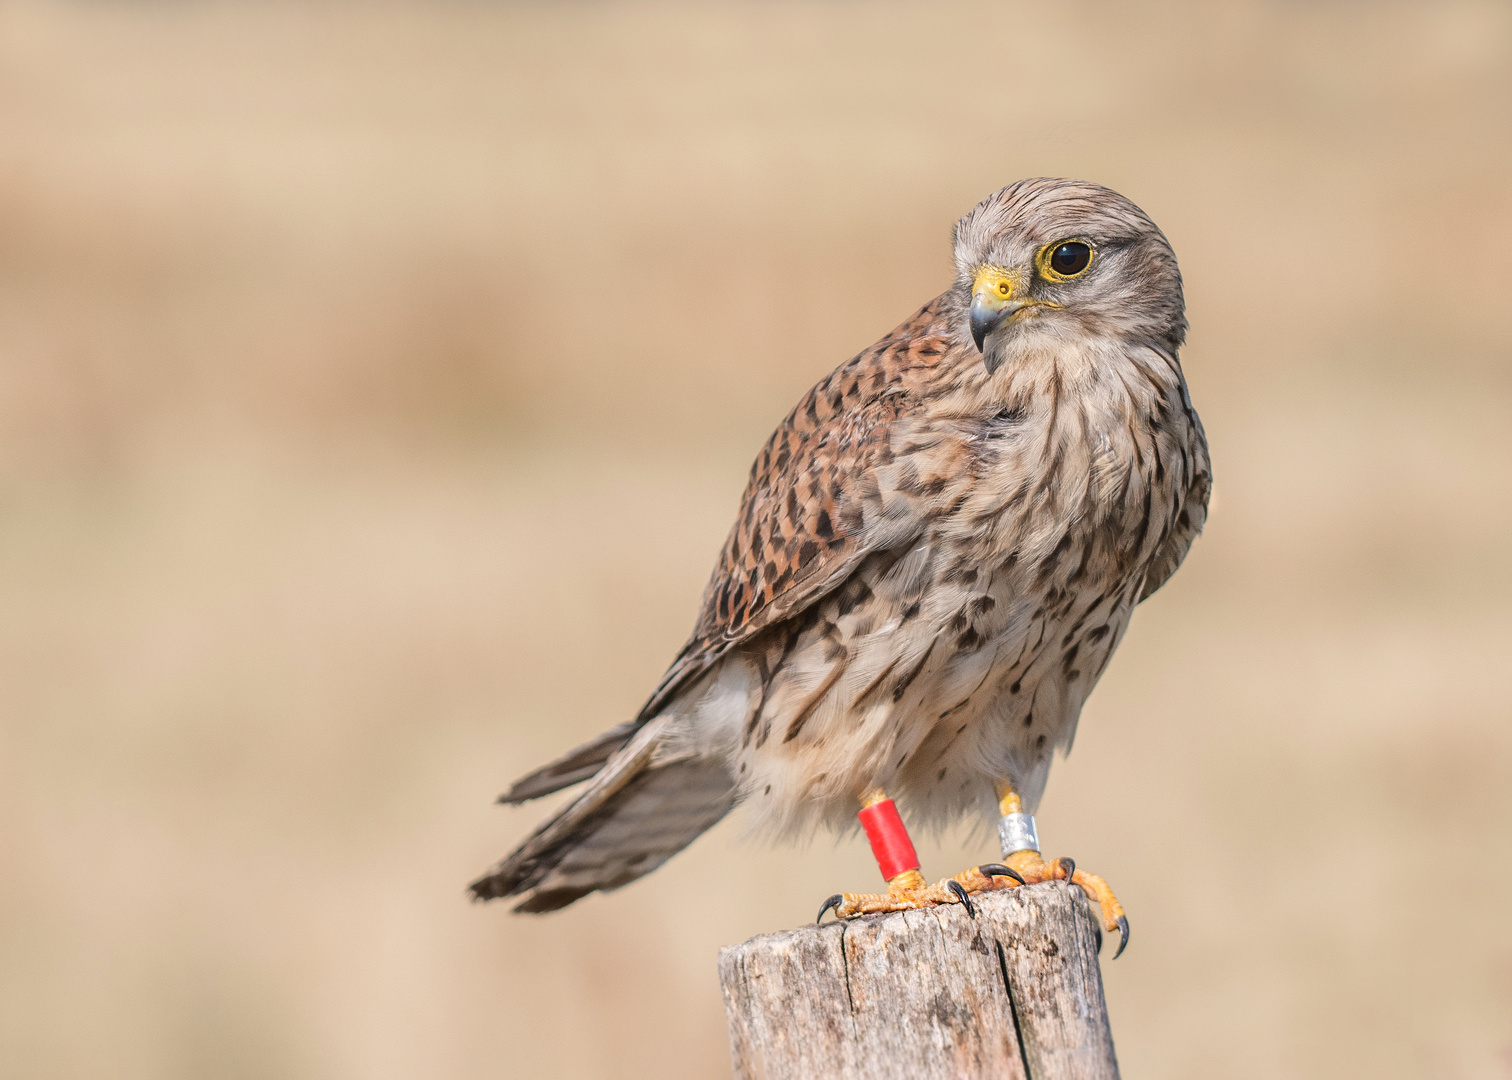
(906, 887)
(1032, 868)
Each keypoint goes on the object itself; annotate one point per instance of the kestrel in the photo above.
(935, 557)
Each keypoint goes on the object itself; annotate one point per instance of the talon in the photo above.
(1068, 865)
(961, 895)
(992, 870)
(1097, 928)
(833, 902)
(1123, 935)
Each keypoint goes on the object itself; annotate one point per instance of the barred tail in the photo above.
(634, 816)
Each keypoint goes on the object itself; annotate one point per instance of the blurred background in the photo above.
(377, 383)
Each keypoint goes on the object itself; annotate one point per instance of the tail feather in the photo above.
(655, 816)
(571, 768)
(633, 817)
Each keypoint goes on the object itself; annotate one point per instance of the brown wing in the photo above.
(1193, 513)
(798, 535)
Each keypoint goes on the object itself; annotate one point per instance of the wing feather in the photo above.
(799, 533)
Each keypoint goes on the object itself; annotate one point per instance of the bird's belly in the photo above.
(934, 700)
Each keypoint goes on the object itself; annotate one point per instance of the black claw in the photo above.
(1123, 935)
(993, 869)
(833, 902)
(1069, 865)
(962, 895)
(1097, 928)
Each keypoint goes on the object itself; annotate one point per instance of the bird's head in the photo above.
(1048, 259)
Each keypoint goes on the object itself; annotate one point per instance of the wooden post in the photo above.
(1015, 992)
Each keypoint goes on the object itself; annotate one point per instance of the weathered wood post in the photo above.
(1015, 992)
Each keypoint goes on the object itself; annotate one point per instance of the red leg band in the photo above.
(889, 839)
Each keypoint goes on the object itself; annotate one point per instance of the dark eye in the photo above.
(1070, 258)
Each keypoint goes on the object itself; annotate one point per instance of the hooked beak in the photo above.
(992, 303)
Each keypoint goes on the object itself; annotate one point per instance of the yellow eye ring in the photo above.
(1064, 259)
(1004, 289)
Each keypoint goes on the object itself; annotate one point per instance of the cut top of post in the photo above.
(1015, 992)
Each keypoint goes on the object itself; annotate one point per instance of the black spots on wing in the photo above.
(907, 680)
(981, 605)
(940, 775)
(882, 562)
(1052, 563)
(856, 593)
(823, 529)
(1097, 633)
(901, 760)
(767, 790)
(1029, 718)
(909, 612)
(1039, 742)
(969, 640)
(961, 573)
(807, 553)
(834, 644)
(881, 675)
(1018, 684)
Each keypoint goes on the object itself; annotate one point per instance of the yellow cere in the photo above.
(1000, 284)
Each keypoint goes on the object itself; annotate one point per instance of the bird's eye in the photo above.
(1070, 258)
(1004, 288)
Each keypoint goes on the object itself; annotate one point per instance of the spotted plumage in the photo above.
(935, 556)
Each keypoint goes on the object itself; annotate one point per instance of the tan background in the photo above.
(377, 384)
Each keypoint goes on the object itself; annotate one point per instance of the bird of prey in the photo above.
(935, 556)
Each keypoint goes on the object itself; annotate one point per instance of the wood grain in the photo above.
(1014, 993)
